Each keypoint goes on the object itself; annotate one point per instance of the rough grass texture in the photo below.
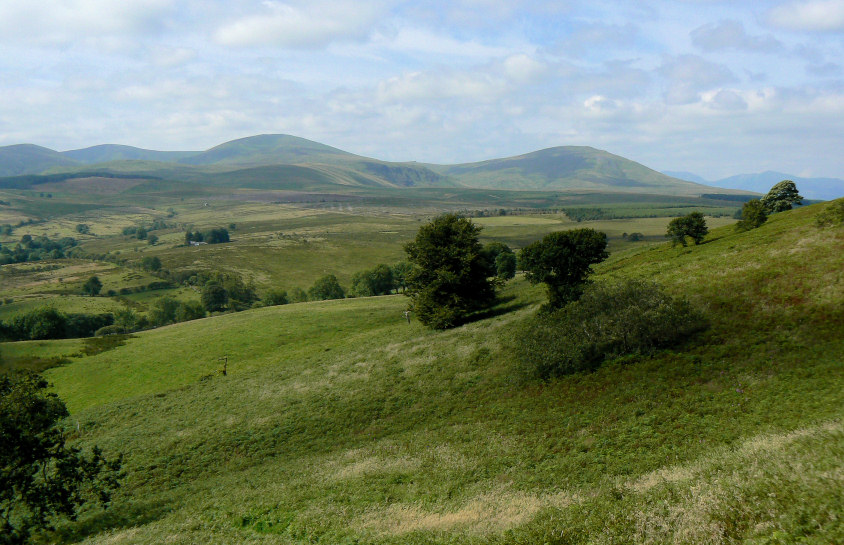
(340, 423)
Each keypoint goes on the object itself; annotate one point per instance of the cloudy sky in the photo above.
(716, 88)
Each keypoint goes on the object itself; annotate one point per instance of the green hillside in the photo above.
(113, 152)
(268, 149)
(340, 423)
(23, 159)
(570, 167)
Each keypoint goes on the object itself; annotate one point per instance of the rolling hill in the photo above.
(567, 168)
(553, 169)
(340, 423)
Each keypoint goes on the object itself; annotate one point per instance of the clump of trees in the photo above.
(691, 225)
(782, 197)
(167, 310)
(376, 281)
(326, 287)
(49, 323)
(500, 260)
(563, 261)
(609, 320)
(753, 215)
(42, 477)
(449, 279)
(225, 291)
(211, 236)
(36, 249)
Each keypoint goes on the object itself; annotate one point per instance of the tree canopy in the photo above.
(781, 197)
(449, 279)
(562, 261)
(753, 214)
(40, 476)
(691, 225)
(326, 287)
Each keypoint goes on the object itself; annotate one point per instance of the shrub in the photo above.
(753, 215)
(275, 297)
(608, 321)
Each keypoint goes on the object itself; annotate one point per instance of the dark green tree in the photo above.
(781, 197)
(298, 295)
(92, 286)
(563, 261)
(214, 297)
(275, 297)
(753, 214)
(400, 271)
(152, 264)
(377, 281)
(83, 228)
(449, 279)
(691, 225)
(505, 265)
(326, 287)
(42, 478)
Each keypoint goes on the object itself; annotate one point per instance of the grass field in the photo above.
(338, 422)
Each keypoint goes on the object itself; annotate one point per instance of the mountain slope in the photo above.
(339, 422)
(269, 149)
(22, 159)
(113, 152)
(570, 167)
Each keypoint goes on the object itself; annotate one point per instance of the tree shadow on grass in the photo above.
(503, 305)
(123, 515)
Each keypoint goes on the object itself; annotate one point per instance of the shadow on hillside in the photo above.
(503, 305)
(119, 515)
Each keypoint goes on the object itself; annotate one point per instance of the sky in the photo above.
(709, 87)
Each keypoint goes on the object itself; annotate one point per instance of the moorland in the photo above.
(337, 421)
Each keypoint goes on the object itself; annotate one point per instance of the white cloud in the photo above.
(812, 16)
(689, 75)
(726, 100)
(731, 35)
(67, 21)
(310, 25)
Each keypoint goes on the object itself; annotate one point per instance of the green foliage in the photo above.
(326, 287)
(691, 225)
(93, 286)
(275, 297)
(832, 214)
(400, 272)
(781, 197)
(501, 261)
(49, 323)
(449, 279)
(40, 476)
(189, 310)
(214, 297)
(83, 228)
(609, 320)
(36, 249)
(376, 281)
(753, 215)
(151, 263)
(298, 295)
(563, 261)
(213, 236)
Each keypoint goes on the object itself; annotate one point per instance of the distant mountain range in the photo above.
(810, 188)
(278, 161)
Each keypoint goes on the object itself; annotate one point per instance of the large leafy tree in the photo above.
(449, 279)
(562, 261)
(326, 287)
(753, 214)
(41, 478)
(691, 225)
(781, 197)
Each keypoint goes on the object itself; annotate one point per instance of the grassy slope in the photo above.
(338, 421)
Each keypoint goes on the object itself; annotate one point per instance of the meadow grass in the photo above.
(339, 422)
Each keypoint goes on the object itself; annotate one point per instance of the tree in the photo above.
(298, 295)
(500, 259)
(275, 297)
(562, 261)
(83, 228)
(691, 225)
(753, 214)
(152, 264)
(377, 281)
(214, 297)
(93, 286)
(781, 197)
(400, 272)
(326, 287)
(40, 476)
(152, 240)
(449, 279)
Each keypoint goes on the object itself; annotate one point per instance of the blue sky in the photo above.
(715, 88)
